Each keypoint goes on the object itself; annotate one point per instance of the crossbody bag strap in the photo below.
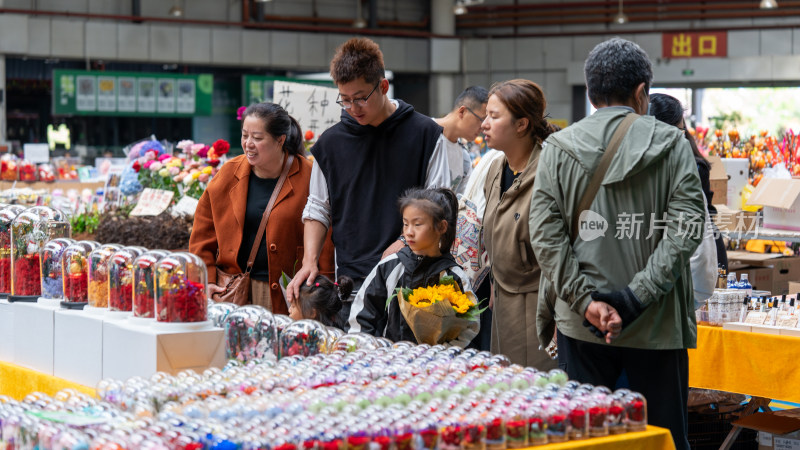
(600, 172)
(263, 225)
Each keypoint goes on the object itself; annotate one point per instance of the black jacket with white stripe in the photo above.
(369, 312)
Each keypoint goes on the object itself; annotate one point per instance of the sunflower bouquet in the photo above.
(440, 313)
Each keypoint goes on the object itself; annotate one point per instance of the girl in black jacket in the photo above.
(429, 217)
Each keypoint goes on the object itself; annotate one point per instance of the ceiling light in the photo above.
(176, 9)
(459, 9)
(768, 4)
(360, 23)
(262, 1)
(620, 18)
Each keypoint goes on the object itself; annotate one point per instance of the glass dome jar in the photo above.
(98, 275)
(26, 170)
(636, 410)
(144, 283)
(8, 167)
(75, 267)
(7, 215)
(304, 338)
(120, 278)
(52, 276)
(30, 230)
(351, 342)
(242, 332)
(181, 289)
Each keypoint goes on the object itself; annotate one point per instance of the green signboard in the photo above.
(258, 88)
(136, 94)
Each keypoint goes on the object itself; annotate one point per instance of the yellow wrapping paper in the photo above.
(760, 365)
(17, 382)
(434, 324)
(653, 438)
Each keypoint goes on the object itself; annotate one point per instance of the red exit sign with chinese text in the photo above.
(695, 45)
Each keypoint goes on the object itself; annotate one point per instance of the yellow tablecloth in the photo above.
(760, 365)
(17, 382)
(653, 438)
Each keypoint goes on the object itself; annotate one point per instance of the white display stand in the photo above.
(78, 354)
(130, 349)
(7, 335)
(33, 346)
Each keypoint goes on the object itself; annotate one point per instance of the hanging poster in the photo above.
(186, 90)
(106, 94)
(126, 96)
(147, 95)
(86, 93)
(131, 94)
(166, 95)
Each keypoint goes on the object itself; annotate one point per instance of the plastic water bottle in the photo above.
(744, 284)
(732, 280)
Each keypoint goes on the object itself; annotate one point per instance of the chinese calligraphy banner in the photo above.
(314, 107)
(704, 44)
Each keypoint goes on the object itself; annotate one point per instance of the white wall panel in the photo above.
(101, 40)
(226, 46)
(785, 67)
(528, 52)
(556, 88)
(502, 55)
(165, 43)
(650, 43)
(133, 42)
(195, 45)
(445, 55)
(417, 55)
(776, 42)
(38, 36)
(476, 55)
(556, 52)
(284, 47)
(67, 38)
(313, 53)
(13, 33)
(256, 48)
(743, 43)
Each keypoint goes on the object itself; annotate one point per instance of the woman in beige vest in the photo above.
(515, 125)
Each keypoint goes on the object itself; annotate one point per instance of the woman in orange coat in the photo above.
(231, 208)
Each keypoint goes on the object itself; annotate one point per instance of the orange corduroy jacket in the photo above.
(219, 221)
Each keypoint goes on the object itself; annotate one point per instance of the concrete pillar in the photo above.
(441, 86)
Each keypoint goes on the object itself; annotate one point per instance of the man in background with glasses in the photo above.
(362, 165)
(463, 123)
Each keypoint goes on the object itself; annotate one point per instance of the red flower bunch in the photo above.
(137, 166)
(309, 135)
(221, 147)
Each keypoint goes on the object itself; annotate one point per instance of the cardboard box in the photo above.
(735, 220)
(737, 171)
(781, 201)
(766, 329)
(7, 335)
(78, 354)
(782, 269)
(132, 349)
(33, 346)
(719, 180)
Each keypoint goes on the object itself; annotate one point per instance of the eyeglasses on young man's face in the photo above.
(481, 119)
(360, 102)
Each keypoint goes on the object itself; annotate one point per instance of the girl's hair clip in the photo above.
(316, 284)
(336, 284)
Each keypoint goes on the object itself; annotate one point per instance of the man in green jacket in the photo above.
(623, 287)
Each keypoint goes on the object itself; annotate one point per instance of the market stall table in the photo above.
(735, 361)
(17, 382)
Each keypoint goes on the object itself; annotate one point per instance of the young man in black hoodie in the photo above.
(362, 165)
